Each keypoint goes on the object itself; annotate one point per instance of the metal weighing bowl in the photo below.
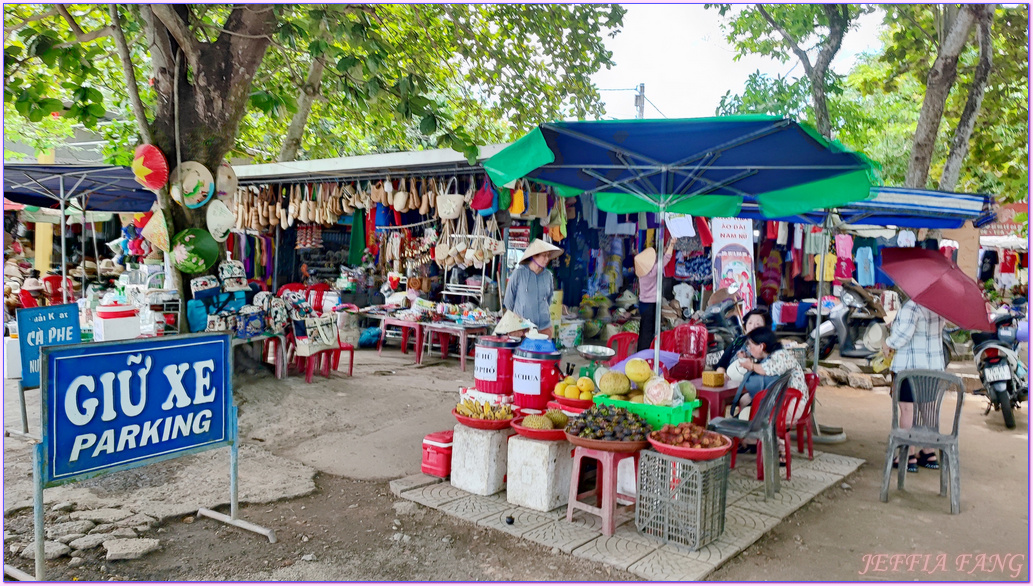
(596, 352)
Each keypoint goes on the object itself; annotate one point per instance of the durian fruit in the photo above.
(557, 417)
(537, 422)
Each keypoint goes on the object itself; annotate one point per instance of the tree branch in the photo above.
(80, 36)
(800, 53)
(974, 103)
(839, 17)
(179, 31)
(130, 75)
(24, 23)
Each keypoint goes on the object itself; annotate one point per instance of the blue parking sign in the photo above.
(118, 405)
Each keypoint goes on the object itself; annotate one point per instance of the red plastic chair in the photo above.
(27, 299)
(290, 287)
(52, 287)
(622, 343)
(316, 302)
(803, 425)
(792, 399)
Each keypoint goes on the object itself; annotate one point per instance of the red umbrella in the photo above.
(934, 282)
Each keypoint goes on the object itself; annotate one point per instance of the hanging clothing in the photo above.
(906, 239)
(844, 261)
(830, 267)
(814, 241)
(1008, 261)
(865, 267)
(783, 233)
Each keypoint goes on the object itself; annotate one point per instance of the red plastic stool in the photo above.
(605, 481)
(406, 332)
(279, 355)
(321, 360)
(350, 349)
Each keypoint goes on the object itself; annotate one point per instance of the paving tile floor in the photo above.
(748, 516)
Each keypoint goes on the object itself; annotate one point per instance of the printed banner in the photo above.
(733, 258)
(44, 326)
(118, 405)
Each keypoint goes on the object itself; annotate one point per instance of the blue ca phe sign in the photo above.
(118, 405)
(44, 326)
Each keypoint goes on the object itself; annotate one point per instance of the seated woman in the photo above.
(757, 318)
(768, 360)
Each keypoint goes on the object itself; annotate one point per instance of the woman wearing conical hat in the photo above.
(530, 287)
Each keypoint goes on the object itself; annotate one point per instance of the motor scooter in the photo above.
(1004, 377)
(723, 320)
(857, 324)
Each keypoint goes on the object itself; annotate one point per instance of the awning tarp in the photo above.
(101, 188)
(699, 166)
(901, 207)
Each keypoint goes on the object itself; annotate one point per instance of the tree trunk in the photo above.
(309, 91)
(963, 132)
(212, 96)
(938, 85)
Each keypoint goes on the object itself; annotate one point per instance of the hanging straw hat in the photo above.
(156, 231)
(511, 322)
(627, 299)
(539, 246)
(644, 262)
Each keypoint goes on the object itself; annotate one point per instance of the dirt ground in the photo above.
(357, 433)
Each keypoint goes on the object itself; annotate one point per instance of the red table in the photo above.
(462, 331)
(404, 324)
(717, 397)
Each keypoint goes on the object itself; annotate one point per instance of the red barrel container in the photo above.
(493, 364)
(535, 374)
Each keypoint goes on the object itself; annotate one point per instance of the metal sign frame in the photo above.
(44, 451)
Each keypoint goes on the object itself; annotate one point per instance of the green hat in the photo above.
(194, 251)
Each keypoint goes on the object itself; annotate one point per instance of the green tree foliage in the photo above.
(812, 34)
(875, 107)
(193, 76)
(395, 76)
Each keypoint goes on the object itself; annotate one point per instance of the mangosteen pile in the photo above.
(609, 423)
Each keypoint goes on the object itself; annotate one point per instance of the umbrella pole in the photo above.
(276, 260)
(823, 434)
(659, 288)
(64, 263)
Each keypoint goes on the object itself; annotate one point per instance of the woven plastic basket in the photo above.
(681, 502)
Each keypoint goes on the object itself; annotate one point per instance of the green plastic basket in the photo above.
(655, 415)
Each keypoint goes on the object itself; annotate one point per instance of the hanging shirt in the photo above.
(906, 239)
(1008, 262)
(798, 237)
(865, 267)
(830, 267)
(844, 254)
(783, 233)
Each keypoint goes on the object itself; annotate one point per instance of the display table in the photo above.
(717, 398)
(402, 323)
(280, 347)
(462, 331)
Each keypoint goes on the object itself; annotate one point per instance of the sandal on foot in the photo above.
(912, 464)
(928, 460)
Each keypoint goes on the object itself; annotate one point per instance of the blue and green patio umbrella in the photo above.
(700, 166)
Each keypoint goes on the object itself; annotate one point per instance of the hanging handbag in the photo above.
(441, 249)
(400, 199)
(377, 193)
(425, 198)
(450, 203)
(315, 334)
(518, 198)
(483, 198)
